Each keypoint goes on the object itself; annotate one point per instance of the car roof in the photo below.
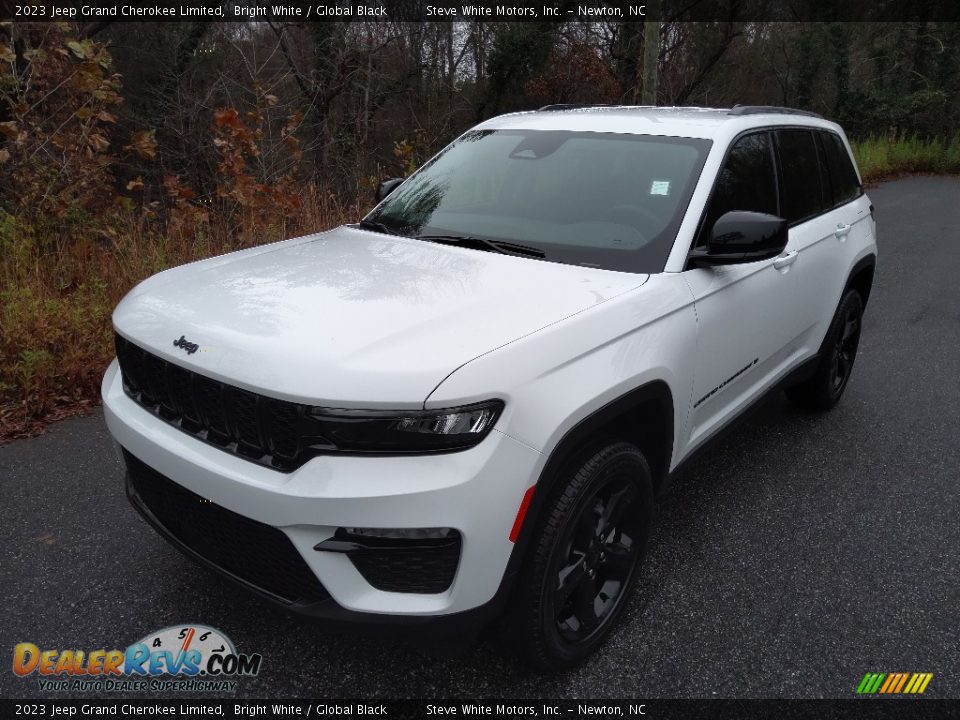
(692, 122)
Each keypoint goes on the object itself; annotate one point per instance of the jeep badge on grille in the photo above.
(184, 344)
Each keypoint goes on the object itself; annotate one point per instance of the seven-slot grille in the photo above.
(258, 428)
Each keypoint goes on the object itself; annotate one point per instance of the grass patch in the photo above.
(883, 157)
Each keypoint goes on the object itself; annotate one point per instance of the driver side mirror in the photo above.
(739, 237)
(387, 187)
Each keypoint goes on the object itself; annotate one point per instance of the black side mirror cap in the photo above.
(740, 236)
(386, 187)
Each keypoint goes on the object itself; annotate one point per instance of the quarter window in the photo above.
(746, 181)
(802, 195)
(844, 185)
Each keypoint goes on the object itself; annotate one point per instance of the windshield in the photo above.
(604, 200)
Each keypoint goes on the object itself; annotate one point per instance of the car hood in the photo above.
(351, 318)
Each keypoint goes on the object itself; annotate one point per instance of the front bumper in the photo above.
(476, 492)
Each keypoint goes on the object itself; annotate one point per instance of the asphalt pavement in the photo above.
(796, 555)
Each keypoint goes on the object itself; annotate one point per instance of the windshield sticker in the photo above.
(660, 187)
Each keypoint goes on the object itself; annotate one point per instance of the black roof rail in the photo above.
(770, 109)
(573, 106)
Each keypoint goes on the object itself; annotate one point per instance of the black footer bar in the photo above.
(852, 709)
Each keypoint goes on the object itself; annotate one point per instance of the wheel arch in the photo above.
(643, 416)
(860, 277)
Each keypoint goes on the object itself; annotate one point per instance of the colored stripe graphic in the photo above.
(903, 679)
(875, 681)
(894, 683)
(871, 683)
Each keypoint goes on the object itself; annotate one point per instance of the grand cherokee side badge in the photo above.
(184, 344)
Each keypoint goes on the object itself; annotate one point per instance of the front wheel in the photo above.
(585, 558)
(825, 387)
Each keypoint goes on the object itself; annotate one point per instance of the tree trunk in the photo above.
(651, 54)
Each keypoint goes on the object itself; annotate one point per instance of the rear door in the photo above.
(828, 241)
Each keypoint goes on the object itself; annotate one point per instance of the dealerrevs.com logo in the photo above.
(178, 658)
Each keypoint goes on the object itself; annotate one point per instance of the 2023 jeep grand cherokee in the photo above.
(468, 401)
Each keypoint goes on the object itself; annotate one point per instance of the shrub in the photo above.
(881, 157)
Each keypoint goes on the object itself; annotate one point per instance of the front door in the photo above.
(748, 319)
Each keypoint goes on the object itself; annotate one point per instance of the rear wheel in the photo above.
(586, 556)
(825, 387)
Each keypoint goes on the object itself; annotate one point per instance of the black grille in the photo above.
(258, 428)
(415, 570)
(258, 554)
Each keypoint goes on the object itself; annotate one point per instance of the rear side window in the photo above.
(746, 181)
(844, 185)
(801, 192)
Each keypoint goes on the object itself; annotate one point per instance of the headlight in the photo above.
(403, 431)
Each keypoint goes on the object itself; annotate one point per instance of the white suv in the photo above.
(468, 401)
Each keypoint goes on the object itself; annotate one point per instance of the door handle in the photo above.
(786, 260)
(841, 232)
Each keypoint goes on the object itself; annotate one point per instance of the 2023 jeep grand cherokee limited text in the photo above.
(467, 402)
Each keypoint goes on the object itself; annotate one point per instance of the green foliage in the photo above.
(520, 51)
(880, 157)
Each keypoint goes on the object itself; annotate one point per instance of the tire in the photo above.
(585, 556)
(825, 387)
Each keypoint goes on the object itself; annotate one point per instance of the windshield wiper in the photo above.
(500, 246)
(377, 227)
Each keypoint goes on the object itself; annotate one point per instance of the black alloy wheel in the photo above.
(822, 390)
(598, 560)
(845, 347)
(585, 555)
